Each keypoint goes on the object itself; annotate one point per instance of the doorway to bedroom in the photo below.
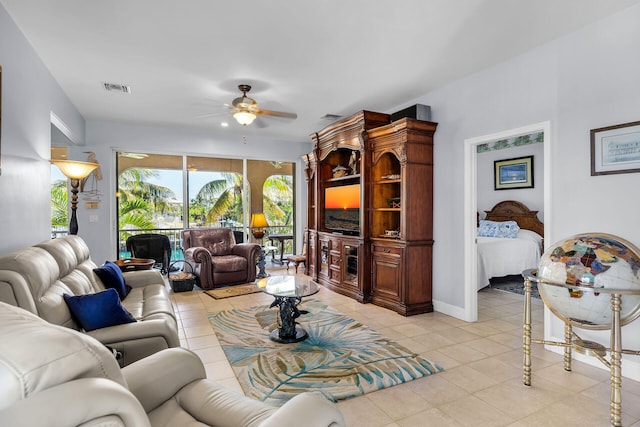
(506, 182)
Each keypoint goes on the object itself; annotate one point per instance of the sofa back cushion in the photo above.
(35, 278)
(36, 355)
(218, 241)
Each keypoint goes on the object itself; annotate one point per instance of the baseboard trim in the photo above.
(449, 310)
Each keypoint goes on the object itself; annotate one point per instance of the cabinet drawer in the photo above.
(387, 250)
(334, 275)
(335, 258)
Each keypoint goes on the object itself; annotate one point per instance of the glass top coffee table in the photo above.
(288, 292)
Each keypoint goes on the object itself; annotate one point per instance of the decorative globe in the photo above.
(590, 267)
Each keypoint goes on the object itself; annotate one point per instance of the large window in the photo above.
(59, 196)
(164, 194)
(215, 192)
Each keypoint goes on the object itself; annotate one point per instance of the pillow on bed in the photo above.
(506, 229)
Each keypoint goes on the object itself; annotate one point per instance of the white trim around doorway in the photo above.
(471, 202)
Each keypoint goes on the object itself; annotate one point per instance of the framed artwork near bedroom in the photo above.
(615, 149)
(512, 174)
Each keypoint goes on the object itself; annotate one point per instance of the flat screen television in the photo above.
(342, 208)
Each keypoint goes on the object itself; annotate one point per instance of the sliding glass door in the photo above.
(164, 194)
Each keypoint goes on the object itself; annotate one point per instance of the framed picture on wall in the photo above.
(512, 174)
(615, 149)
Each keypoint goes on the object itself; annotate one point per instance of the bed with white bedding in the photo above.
(504, 256)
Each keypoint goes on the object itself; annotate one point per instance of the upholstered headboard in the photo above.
(510, 210)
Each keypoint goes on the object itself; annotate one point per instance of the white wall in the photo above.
(533, 198)
(580, 82)
(29, 95)
(516, 93)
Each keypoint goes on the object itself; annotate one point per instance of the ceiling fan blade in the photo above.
(209, 115)
(277, 114)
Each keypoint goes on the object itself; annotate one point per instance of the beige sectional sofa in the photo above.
(55, 376)
(35, 279)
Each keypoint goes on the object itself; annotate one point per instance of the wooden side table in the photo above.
(280, 238)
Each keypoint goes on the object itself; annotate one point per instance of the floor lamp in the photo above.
(75, 171)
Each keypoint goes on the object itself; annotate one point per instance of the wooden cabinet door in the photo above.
(386, 272)
(350, 265)
(323, 254)
(335, 262)
(312, 255)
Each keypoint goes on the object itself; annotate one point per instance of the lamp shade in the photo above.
(75, 170)
(244, 117)
(258, 220)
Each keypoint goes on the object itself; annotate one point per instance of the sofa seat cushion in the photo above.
(170, 413)
(149, 302)
(99, 310)
(229, 264)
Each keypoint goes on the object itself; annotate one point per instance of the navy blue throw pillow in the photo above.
(99, 310)
(111, 276)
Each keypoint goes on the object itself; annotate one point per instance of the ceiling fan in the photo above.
(245, 109)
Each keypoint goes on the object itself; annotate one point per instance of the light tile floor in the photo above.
(482, 381)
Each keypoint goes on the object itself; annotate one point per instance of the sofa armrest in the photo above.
(201, 259)
(157, 378)
(140, 278)
(165, 328)
(314, 409)
(61, 405)
(250, 251)
(211, 404)
(197, 254)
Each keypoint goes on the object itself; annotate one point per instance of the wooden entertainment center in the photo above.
(374, 244)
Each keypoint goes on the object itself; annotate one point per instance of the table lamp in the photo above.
(75, 171)
(258, 224)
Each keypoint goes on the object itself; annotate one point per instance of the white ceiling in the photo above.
(184, 59)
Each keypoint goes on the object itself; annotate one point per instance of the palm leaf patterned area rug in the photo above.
(341, 358)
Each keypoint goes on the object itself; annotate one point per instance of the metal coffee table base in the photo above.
(288, 331)
(300, 335)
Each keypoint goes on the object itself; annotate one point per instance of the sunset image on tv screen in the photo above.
(342, 208)
(345, 197)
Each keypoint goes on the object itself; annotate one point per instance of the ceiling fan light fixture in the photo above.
(245, 118)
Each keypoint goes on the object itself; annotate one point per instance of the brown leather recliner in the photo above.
(217, 258)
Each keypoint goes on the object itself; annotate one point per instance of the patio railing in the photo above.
(176, 243)
(175, 240)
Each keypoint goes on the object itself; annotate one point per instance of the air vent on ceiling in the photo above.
(331, 117)
(113, 87)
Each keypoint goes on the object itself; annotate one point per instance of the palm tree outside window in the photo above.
(150, 194)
